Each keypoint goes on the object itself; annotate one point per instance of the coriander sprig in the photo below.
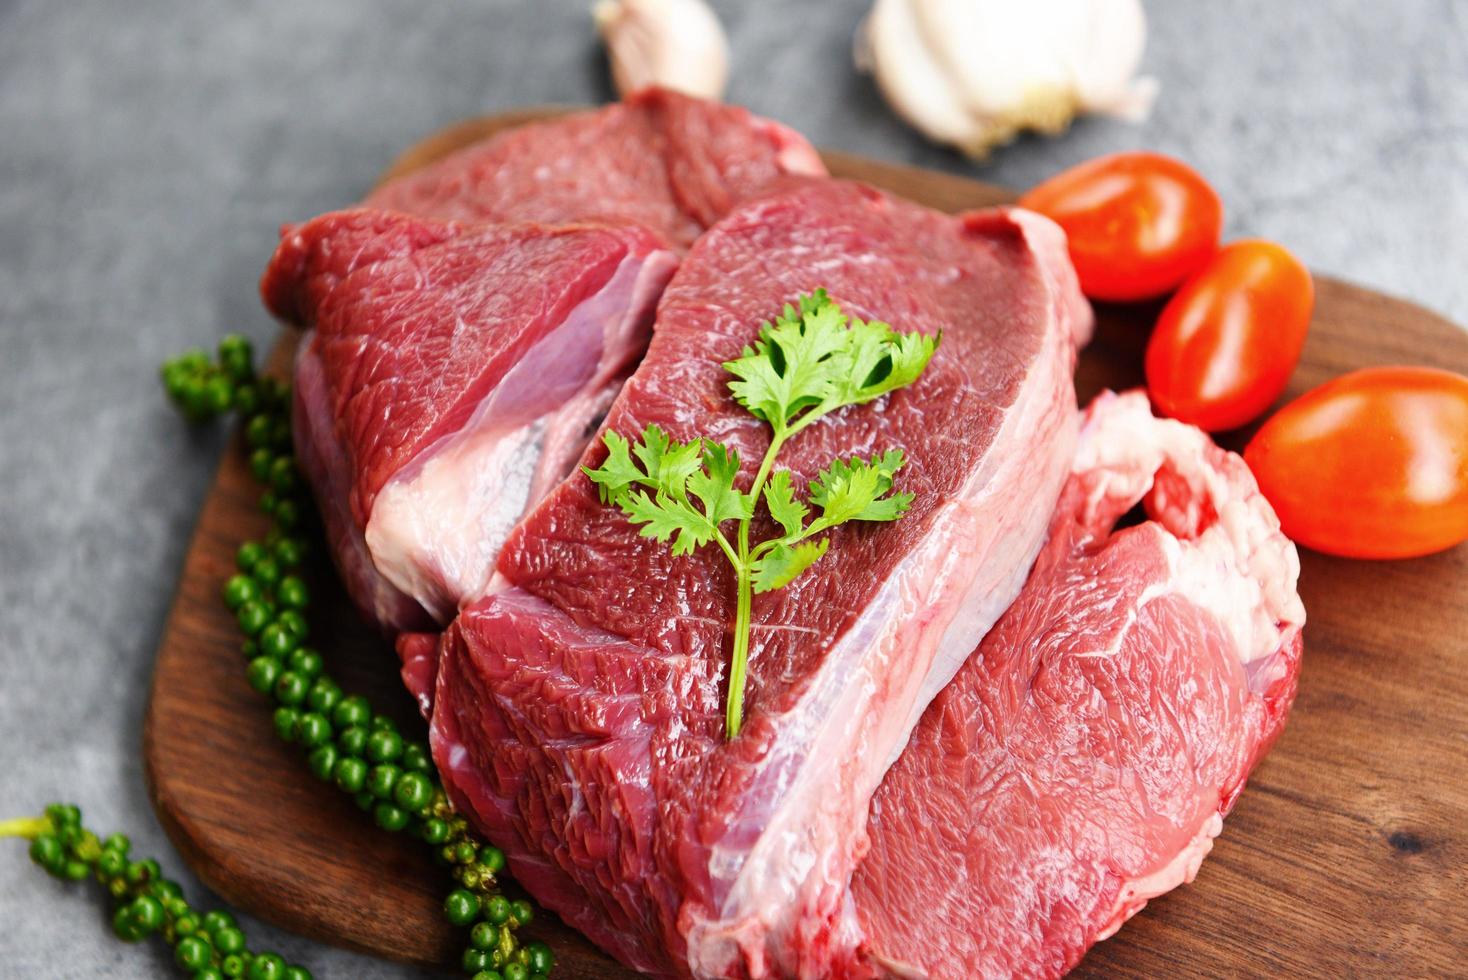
(809, 363)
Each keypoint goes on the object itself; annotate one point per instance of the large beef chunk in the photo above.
(1082, 761)
(451, 377)
(578, 716)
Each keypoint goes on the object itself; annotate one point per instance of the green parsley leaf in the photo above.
(713, 485)
(618, 472)
(662, 517)
(781, 564)
(859, 490)
(788, 512)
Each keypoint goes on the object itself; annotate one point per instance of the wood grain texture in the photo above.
(1346, 856)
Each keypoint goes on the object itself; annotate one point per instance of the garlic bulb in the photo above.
(974, 73)
(678, 44)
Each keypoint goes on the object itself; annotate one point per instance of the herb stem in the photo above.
(734, 709)
(28, 827)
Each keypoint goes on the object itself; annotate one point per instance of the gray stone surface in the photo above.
(148, 150)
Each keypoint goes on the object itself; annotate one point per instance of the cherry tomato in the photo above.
(1371, 465)
(1227, 342)
(1138, 223)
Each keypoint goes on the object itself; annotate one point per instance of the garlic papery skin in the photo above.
(678, 44)
(973, 73)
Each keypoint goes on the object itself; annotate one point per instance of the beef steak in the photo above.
(452, 375)
(1081, 762)
(670, 162)
(578, 710)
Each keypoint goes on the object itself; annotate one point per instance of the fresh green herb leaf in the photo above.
(780, 500)
(858, 490)
(781, 564)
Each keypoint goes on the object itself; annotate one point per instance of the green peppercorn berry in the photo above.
(287, 514)
(276, 640)
(253, 617)
(235, 356)
(186, 924)
(217, 395)
(416, 758)
(258, 431)
(488, 975)
(461, 907)
(354, 710)
(312, 730)
(541, 959)
(412, 792)
(207, 973)
(285, 722)
(382, 779)
(352, 741)
(228, 939)
(349, 774)
(515, 971)
(47, 851)
(322, 761)
(260, 462)
(294, 621)
(297, 973)
(216, 920)
(466, 852)
(324, 695)
(475, 960)
(142, 872)
(111, 863)
(118, 843)
(292, 592)
(118, 887)
(290, 688)
(124, 927)
(283, 476)
(232, 966)
(307, 662)
(238, 590)
(267, 570)
(384, 746)
(262, 673)
(382, 723)
(521, 911)
(247, 399)
(389, 817)
(433, 831)
(290, 552)
(76, 870)
(497, 910)
(483, 936)
(193, 952)
(266, 966)
(248, 554)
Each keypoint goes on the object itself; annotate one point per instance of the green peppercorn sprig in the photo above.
(346, 742)
(207, 947)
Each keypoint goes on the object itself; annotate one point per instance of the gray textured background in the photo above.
(148, 151)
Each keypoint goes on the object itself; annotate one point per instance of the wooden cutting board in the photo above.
(1346, 856)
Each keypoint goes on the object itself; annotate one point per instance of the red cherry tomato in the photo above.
(1227, 342)
(1138, 223)
(1371, 465)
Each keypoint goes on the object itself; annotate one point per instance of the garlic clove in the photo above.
(678, 44)
(974, 73)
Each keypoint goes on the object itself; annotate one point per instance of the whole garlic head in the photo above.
(678, 44)
(974, 73)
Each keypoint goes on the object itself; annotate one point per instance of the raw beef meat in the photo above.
(451, 377)
(578, 710)
(1081, 762)
(670, 162)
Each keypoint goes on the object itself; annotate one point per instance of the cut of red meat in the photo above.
(578, 709)
(451, 377)
(670, 162)
(1081, 762)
